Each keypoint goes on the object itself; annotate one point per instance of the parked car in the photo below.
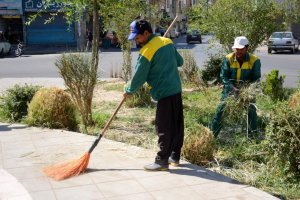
(279, 41)
(5, 48)
(193, 36)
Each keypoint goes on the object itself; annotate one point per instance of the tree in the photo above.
(81, 85)
(196, 15)
(290, 10)
(118, 15)
(254, 19)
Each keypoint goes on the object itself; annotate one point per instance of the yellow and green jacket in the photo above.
(232, 72)
(157, 65)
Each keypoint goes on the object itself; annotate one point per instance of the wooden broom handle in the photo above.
(171, 25)
(112, 117)
(95, 143)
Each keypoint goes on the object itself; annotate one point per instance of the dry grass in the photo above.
(294, 101)
(131, 125)
(199, 145)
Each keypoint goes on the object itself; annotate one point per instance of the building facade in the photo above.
(58, 31)
(15, 13)
(11, 20)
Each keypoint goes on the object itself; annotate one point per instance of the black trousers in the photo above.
(170, 128)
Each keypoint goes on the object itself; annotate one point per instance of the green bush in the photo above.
(100, 119)
(80, 77)
(212, 69)
(199, 145)
(52, 108)
(273, 86)
(15, 101)
(141, 98)
(201, 113)
(283, 132)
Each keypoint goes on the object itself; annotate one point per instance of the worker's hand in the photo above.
(235, 90)
(126, 95)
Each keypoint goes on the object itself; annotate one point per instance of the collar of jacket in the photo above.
(247, 57)
(150, 38)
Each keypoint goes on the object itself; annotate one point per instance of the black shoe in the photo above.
(174, 163)
(156, 167)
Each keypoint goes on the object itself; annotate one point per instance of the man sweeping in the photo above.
(157, 65)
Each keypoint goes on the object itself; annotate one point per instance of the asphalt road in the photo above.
(42, 66)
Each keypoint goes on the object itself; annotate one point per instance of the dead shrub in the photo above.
(52, 108)
(294, 101)
(199, 145)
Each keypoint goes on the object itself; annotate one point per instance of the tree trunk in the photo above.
(94, 64)
(126, 61)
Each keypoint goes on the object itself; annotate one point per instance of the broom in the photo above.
(75, 167)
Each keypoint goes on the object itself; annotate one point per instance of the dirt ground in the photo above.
(101, 94)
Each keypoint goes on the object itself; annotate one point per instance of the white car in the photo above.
(5, 48)
(283, 41)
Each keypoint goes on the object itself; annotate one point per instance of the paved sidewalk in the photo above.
(115, 171)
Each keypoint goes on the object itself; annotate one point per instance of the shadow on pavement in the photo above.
(89, 170)
(184, 170)
(196, 171)
(9, 127)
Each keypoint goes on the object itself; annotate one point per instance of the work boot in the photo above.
(174, 163)
(156, 167)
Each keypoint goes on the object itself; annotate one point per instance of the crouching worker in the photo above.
(157, 65)
(238, 66)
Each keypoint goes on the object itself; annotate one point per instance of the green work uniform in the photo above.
(231, 74)
(157, 66)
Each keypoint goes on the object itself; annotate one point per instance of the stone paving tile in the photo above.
(16, 152)
(36, 184)
(43, 195)
(18, 162)
(219, 190)
(141, 196)
(86, 192)
(139, 172)
(119, 188)
(258, 193)
(115, 170)
(21, 197)
(242, 197)
(190, 176)
(180, 193)
(26, 172)
(10, 187)
(14, 137)
(160, 182)
(50, 142)
(5, 177)
(108, 175)
(81, 180)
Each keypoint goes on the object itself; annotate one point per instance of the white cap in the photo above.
(240, 42)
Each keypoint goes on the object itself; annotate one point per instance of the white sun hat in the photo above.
(240, 42)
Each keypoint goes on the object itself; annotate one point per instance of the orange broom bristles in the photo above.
(78, 166)
(68, 169)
